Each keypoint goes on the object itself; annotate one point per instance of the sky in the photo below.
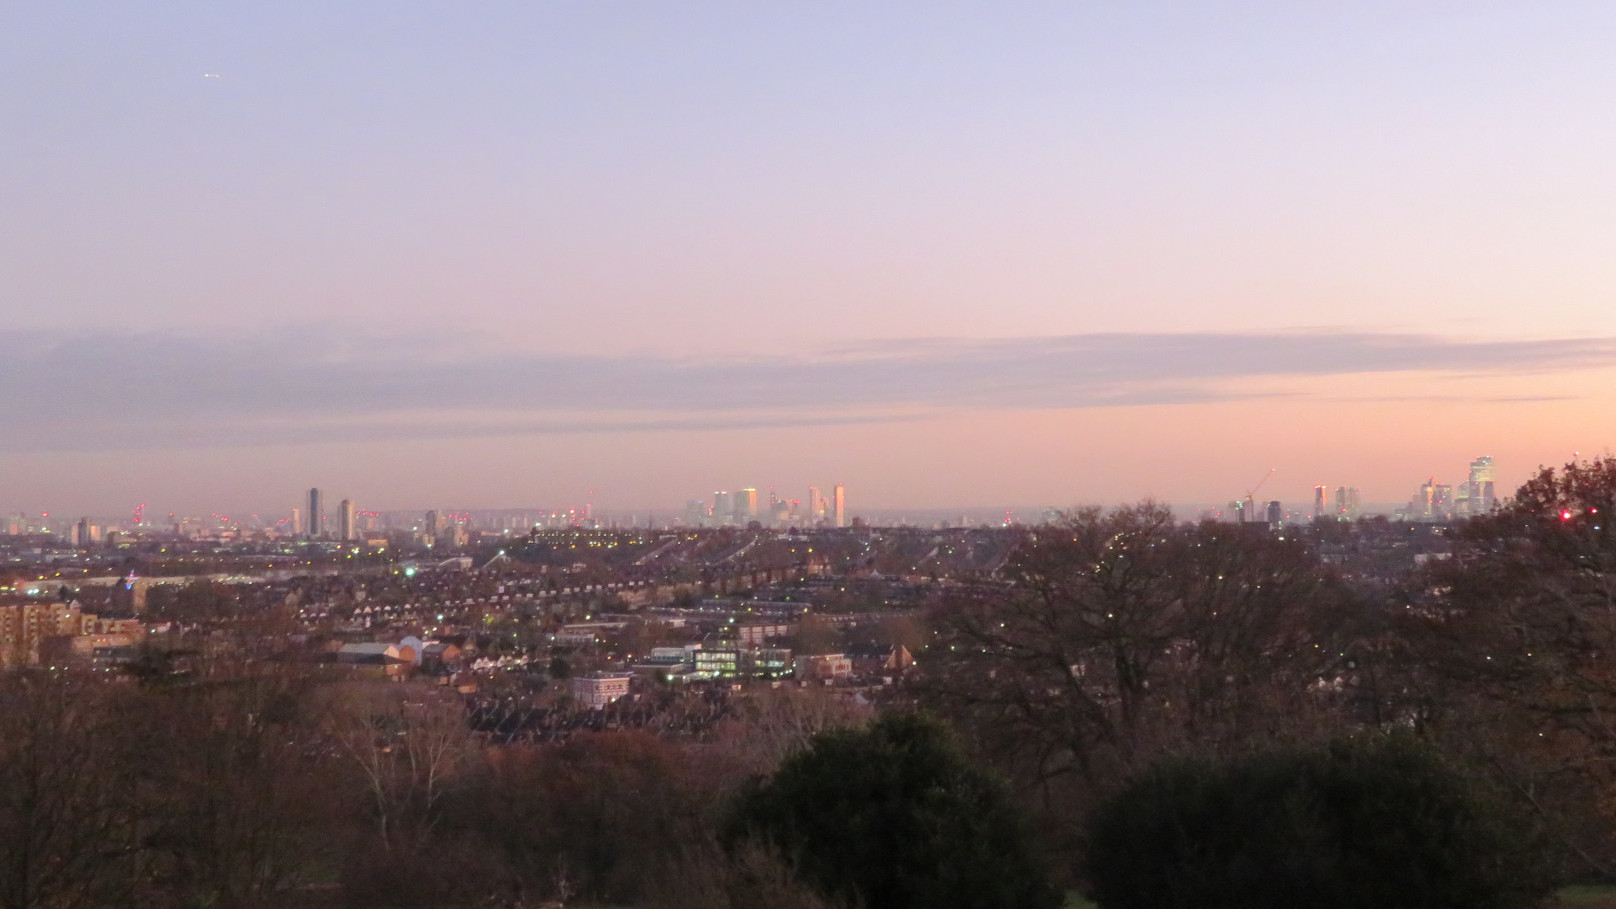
(541, 253)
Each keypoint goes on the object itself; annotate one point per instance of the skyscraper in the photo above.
(1318, 502)
(722, 510)
(746, 504)
(1346, 501)
(816, 505)
(1435, 500)
(1483, 496)
(346, 522)
(839, 505)
(316, 518)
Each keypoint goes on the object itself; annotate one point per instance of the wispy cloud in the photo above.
(116, 390)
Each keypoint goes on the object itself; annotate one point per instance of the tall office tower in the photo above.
(1431, 499)
(839, 504)
(722, 510)
(82, 535)
(433, 527)
(1346, 501)
(345, 520)
(695, 513)
(297, 521)
(1318, 502)
(316, 518)
(1484, 497)
(1465, 501)
(746, 504)
(816, 505)
(1276, 513)
(1442, 500)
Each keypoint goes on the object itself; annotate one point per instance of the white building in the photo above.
(597, 689)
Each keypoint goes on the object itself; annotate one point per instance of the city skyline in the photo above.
(1473, 485)
(951, 257)
(1477, 494)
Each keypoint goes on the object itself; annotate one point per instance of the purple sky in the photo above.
(947, 254)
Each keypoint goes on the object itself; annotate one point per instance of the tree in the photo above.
(1510, 645)
(1379, 822)
(894, 816)
(601, 816)
(1117, 636)
(406, 754)
(67, 831)
(233, 792)
(769, 725)
(200, 600)
(705, 877)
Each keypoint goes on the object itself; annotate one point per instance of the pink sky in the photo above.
(429, 256)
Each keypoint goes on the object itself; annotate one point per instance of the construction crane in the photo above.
(1251, 496)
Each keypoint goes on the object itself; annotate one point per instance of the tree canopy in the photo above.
(1380, 822)
(892, 815)
(1118, 636)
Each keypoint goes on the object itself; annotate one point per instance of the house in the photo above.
(597, 689)
(823, 667)
(376, 655)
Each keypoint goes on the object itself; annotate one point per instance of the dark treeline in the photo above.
(1121, 640)
(271, 786)
(1112, 644)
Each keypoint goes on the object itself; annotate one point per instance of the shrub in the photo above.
(893, 816)
(1384, 823)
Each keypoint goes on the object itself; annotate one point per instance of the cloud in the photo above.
(137, 390)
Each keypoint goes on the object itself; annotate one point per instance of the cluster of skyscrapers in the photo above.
(1346, 504)
(313, 526)
(742, 507)
(1440, 501)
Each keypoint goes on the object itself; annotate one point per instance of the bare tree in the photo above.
(66, 832)
(770, 724)
(1116, 636)
(1510, 644)
(233, 789)
(406, 744)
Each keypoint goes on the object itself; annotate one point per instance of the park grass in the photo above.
(1579, 896)
(1587, 896)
